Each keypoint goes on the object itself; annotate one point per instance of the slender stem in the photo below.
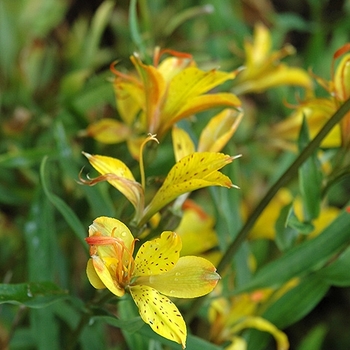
(282, 181)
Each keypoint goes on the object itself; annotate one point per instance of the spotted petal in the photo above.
(191, 277)
(159, 255)
(160, 313)
(183, 144)
(195, 171)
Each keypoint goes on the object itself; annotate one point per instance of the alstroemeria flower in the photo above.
(228, 317)
(157, 271)
(192, 172)
(263, 69)
(318, 110)
(161, 95)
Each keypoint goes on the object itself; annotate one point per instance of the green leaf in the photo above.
(297, 302)
(62, 207)
(134, 27)
(314, 339)
(130, 325)
(192, 342)
(285, 235)
(99, 201)
(310, 178)
(33, 294)
(303, 258)
(24, 158)
(338, 272)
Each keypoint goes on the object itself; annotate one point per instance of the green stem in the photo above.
(281, 182)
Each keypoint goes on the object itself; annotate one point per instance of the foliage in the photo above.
(217, 138)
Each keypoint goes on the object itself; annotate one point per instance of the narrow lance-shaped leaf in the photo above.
(34, 294)
(193, 172)
(310, 178)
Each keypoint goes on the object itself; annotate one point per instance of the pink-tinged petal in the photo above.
(109, 227)
(119, 176)
(198, 104)
(192, 172)
(93, 276)
(106, 276)
(219, 130)
(154, 88)
(182, 143)
(158, 256)
(160, 313)
(191, 277)
(109, 131)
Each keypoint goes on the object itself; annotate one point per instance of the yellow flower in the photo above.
(161, 95)
(263, 69)
(229, 317)
(192, 172)
(318, 110)
(156, 271)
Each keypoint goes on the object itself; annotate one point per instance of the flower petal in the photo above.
(105, 276)
(219, 130)
(183, 144)
(265, 326)
(191, 277)
(120, 177)
(109, 131)
(160, 313)
(159, 255)
(93, 276)
(192, 172)
(198, 104)
(154, 89)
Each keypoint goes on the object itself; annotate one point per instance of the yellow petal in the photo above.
(154, 88)
(159, 255)
(160, 313)
(109, 131)
(265, 326)
(183, 144)
(105, 276)
(238, 343)
(192, 172)
(191, 277)
(317, 112)
(196, 230)
(104, 226)
(129, 99)
(93, 276)
(219, 130)
(172, 66)
(120, 177)
(258, 51)
(279, 75)
(198, 104)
